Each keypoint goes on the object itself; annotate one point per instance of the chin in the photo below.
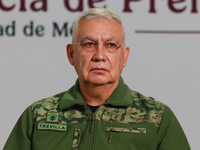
(99, 80)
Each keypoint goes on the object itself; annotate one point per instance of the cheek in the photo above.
(117, 65)
(76, 61)
(81, 62)
(117, 61)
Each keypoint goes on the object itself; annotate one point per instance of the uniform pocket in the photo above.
(130, 130)
(76, 139)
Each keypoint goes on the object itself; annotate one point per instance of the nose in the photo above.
(99, 54)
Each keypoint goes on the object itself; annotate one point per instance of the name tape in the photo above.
(49, 126)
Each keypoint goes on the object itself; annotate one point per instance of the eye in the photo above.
(88, 44)
(110, 45)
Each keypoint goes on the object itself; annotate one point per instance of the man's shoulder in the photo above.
(139, 100)
(148, 106)
(48, 103)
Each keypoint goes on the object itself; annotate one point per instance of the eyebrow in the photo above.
(113, 38)
(106, 39)
(87, 38)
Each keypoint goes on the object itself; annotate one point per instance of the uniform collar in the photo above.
(120, 97)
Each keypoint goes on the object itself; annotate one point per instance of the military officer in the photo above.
(100, 111)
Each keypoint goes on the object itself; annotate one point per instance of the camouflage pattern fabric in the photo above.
(69, 116)
(142, 110)
(126, 120)
(126, 130)
(76, 139)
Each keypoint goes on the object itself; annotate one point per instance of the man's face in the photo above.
(99, 66)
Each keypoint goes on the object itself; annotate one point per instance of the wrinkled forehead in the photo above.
(93, 29)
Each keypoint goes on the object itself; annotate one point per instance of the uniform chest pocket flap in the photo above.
(130, 130)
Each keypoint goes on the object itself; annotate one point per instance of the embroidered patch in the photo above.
(52, 117)
(49, 126)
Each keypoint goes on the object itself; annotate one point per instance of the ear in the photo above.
(126, 53)
(70, 52)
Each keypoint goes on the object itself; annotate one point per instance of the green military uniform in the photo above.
(127, 120)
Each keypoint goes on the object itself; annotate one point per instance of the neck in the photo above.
(96, 95)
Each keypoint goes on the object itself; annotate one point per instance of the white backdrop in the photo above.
(164, 65)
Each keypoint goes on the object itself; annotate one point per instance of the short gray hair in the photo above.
(96, 13)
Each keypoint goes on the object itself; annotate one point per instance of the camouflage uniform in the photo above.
(127, 120)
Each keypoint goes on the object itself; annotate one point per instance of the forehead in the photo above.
(100, 29)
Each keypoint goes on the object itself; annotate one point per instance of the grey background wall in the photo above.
(164, 62)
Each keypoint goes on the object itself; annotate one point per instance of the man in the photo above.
(99, 111)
